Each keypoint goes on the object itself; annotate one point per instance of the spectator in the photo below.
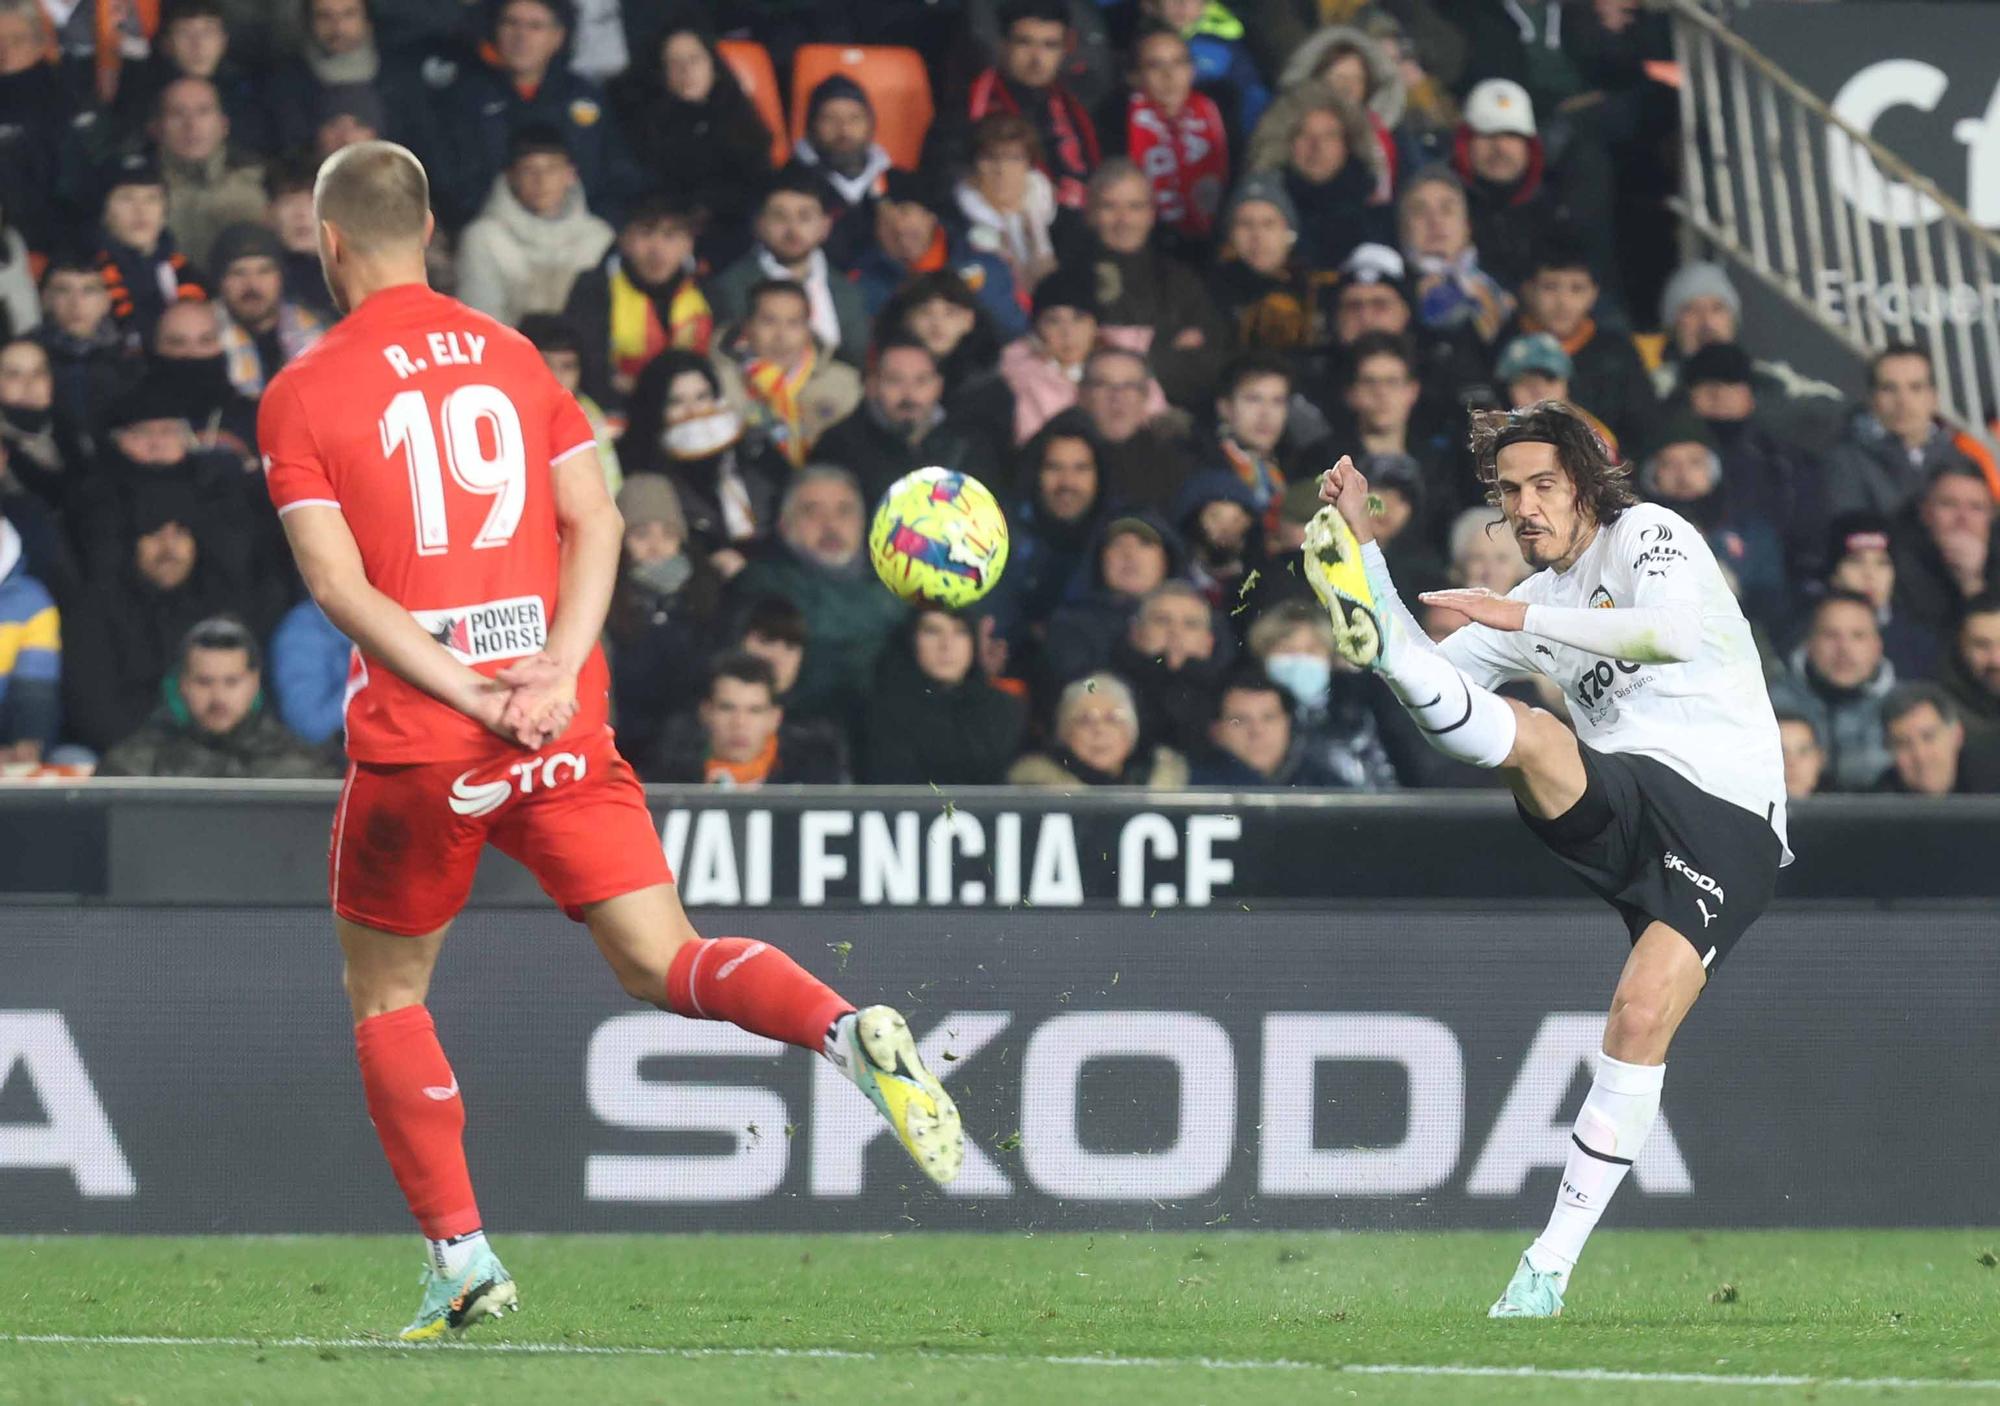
(126, 630)
(839, 143)
(1146, 301)
(1559, 298)
(137, 259)
(1054, 527)
(1176, 138)
(30, 657)
(822, 568)
(34, 111)
(934, 717)
(1256, 281)
(20, 304)
(207, 189)
(522, 84)
(1762, 476)
(1389, 415)
(738, 740)
(774, 630)
(1859, 559)
(1373, 295)
(664, 615)
(1332, 168)
(188, 361)
(787, 385)
(342, 55)
(1135, 555)
(1700, 307)
(289, 186)
(343, 116)
(212, 722)
(909, 240)
(556, 338)
(942, 313)
(1452, 290)
(1838, 678)
(262, 330)
(310, 666)
(1682, 469)
(1972, 674)
(642, 299)
(1397, 482)
(1253, 402)
(1498, 154)
(1027, 83)
(1484, 553)
(1219, 520)
(1898, 446)
(1144, 460)
(1928, 744)
(684, 110)
(1006, 205)
(1097, 744)
(88, 353)
(1337, 711)
(28, 442)
(1250, 741)
(1348, 61)
(1803, 751)
(524, 252)
(1943, 546)
(193, 41)
(1222, 62)
(1044, 367)
(901, 424)
(791, 229)
(1533, 367)
(681, 427)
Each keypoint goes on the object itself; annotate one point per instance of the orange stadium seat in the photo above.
(751, 63)
(894, 79)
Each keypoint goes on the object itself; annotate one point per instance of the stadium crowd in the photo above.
(1151, 265)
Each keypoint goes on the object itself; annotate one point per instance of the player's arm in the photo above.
(592, 532)
(330, 562)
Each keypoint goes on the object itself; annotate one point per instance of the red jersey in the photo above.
(434, 429)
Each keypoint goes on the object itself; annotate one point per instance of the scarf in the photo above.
(1259, 475)
(732, 775)
(853, 189)
(1020, 237)
(825, 319)
(1573, 343)
(637, 332)
(1186, 157)
(1136, 771)
(1453, 292)
(1072, 142)
(777, 389)
(340, 70)
(297, 330)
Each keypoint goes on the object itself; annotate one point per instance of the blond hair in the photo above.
(376, 194)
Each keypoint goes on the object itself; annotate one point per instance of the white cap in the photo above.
(1500, 105)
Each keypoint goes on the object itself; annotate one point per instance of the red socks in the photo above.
(753, 985)
(414, 1103)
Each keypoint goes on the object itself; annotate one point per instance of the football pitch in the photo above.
(1254, 1317)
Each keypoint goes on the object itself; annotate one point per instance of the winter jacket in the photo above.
(659, 644)
(1161, 769)
(30, 651)
(89, 374)
(716, 154)
(512, 262)
(35, 111)
(878, 455)
(1042, 388)
(807, 756)
(1849, 721)
(1148, 470)
(170, 744)
(1084, 631)
(1175, 705)
(123, 637)
(1874, 470)
(142, 284)
(1927, 594)
(1147, 300)
(309, 662)
(206, 197)
(920, 732)
(880, 278)
(730, 292)
(682, 309)
(479, 111)
(849, 619)
(1608, 378)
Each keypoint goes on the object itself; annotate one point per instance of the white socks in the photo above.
(1457, 716)
(1617, 1115)
(453, 1257)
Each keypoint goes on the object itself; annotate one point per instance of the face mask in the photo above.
(702, 435)
(664, 577)
(1305, 676)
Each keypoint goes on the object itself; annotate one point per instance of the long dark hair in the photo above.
(1603, 484)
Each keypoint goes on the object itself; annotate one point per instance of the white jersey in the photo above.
(1709, 718)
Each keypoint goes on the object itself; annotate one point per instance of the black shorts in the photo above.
(1657, 847)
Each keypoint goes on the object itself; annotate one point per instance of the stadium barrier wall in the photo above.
(1387, 1029)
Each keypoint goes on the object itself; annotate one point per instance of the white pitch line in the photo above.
(836, 1354)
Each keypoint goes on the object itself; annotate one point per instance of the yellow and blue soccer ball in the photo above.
(938, 536)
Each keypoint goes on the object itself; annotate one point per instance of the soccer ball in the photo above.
(938, 536)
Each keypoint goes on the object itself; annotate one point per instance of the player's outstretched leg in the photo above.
(1661, 980)
(649, 942)
(1456, 715)
(413, 1100)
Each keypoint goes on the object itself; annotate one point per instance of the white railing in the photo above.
(1830, 219)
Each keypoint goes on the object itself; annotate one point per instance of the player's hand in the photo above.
(1480, 606)
(1346, 488)
(541, 699)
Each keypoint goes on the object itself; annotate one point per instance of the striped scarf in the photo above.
(637, 332)
(777, 390)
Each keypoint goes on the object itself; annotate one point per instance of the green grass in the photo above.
(976, 1319)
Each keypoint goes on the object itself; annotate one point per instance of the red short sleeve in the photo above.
(569, 428)
(294, 473)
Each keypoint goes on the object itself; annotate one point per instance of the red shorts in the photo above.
(406, 839)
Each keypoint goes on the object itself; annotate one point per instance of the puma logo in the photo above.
(1706, 916)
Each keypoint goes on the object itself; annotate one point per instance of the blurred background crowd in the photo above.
(1143, 267)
